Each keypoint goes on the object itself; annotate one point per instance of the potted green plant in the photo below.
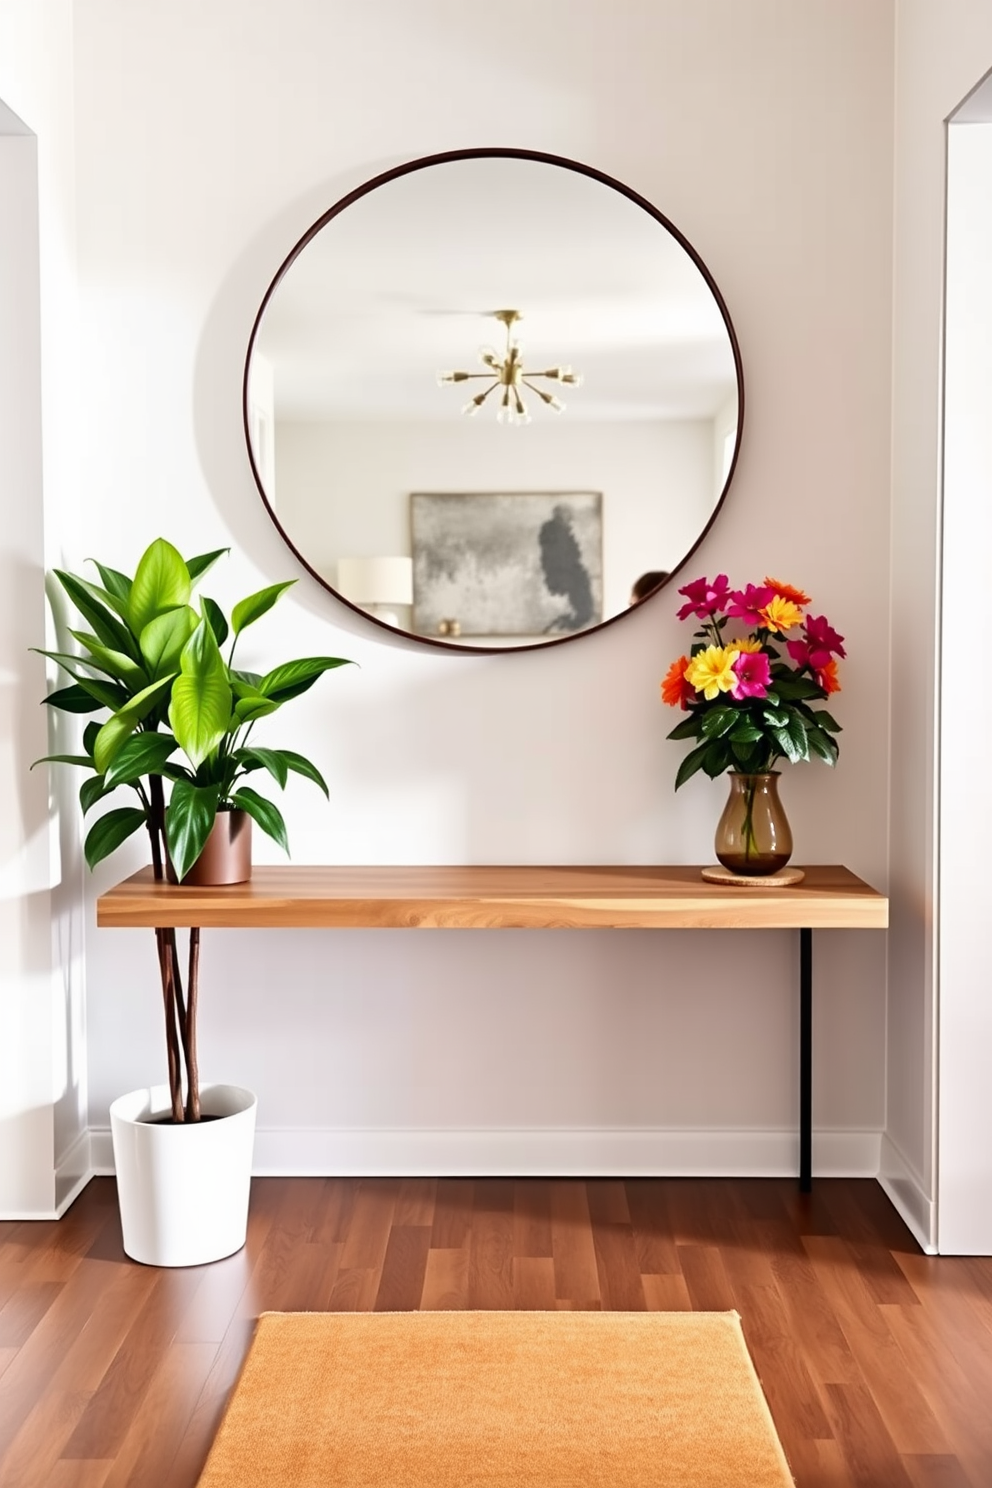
(180, 719)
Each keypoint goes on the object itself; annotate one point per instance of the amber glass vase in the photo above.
(753, 836)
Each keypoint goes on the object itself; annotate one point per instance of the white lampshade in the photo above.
(376, 581)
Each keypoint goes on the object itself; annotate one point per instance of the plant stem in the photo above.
(171, 1037)
(192, 989)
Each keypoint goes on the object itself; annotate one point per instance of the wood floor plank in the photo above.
(149, 1448)
(652, 1226)
(534, 1283)
(490, 1273)
(532, 1217)
(401, 1285)
(937, 1472)
(446, 1280)
(666, 1293)
(452, 1213)
(706, 1278)
(909, 1420)
(118, 1398)
(576, 1272)
(870, 1455)
(620, 1285)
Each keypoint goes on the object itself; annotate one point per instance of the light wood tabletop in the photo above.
(497, 897)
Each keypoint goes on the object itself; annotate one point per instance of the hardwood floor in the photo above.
(876, 1360)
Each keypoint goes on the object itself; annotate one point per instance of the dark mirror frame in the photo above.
(476, 154)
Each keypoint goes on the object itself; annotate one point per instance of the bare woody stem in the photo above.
(168, 961)
(192, 989)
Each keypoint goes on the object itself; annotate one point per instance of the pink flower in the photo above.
(705, 598)
(748, 603)
(753, 675)
(820, 642)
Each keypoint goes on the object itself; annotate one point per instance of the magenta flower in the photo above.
(748, 603)
(753, 675)
(705, 598)
(822, 643)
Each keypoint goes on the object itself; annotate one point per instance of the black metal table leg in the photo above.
(805, 1060)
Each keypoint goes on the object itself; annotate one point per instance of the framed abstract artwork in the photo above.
(492, 563)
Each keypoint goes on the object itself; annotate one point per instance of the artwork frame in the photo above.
(517, 564)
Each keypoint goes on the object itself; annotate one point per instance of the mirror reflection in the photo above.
(489, 395)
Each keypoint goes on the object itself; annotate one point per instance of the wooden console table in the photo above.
(829, 898)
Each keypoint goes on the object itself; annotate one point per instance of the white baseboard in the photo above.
(72, 1173)
(906, 1191)
(318, 1152)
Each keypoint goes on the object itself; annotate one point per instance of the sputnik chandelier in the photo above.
(508, 372)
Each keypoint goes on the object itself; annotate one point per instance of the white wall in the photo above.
(344, 489)
(965, 1152)
(943, 48)
(44, 1148)
(208, 139)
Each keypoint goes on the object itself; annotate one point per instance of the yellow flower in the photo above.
(751, 647)
(780, 614)
(712, 671)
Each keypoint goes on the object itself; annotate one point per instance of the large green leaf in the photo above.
(689, 728)
(110, 831)
(826, 721)
(719, 721)
(115, 583)
(161, 583)
(122, 725)
(104, 597)
(115, 663)
(822, 744)
(63, 759)
(787, 745)
(294, 677)
(302, 766)
(163, 639)
(200, 709)
(191, 814)
(264, 759)
(791, 688)
(216, 619)
(198, 566)
(269, 817)
(253, 705)
(692, 762)
(142, 754)
(89, 737)
(74, 700)
(717, 758)
(247, 611)
(91, 791)
(105, 624)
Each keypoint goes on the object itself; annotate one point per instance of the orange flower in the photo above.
(787, 591)
(827, 677)
(675, 689)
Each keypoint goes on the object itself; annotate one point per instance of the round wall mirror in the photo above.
(492, 399)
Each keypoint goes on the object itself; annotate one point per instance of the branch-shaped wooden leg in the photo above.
(192, 989)
(171, 1035)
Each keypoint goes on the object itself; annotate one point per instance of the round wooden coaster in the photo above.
(781, 880)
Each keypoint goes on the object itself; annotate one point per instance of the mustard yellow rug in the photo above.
(497, 1400)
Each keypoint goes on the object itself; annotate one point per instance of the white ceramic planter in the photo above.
(183, 1190)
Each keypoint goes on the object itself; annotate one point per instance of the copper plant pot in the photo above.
(226, 855)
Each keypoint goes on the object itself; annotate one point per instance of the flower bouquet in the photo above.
(749, 705)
